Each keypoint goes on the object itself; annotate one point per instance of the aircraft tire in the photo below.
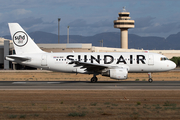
(94, 79)
(150, 80)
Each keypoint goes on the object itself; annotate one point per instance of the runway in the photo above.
(86, 85)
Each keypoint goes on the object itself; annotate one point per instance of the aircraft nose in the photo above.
(173, 65)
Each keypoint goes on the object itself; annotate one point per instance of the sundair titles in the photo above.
(107, 59)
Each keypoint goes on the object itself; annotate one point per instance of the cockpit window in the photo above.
(164, 58)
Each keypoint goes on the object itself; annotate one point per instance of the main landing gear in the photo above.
(150, 78)
(94, 79)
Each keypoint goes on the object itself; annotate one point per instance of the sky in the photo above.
(89, 17)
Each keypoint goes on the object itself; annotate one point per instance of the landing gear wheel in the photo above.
(150, 80)
(94, 79)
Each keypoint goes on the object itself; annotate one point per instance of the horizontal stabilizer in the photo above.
(16, 58)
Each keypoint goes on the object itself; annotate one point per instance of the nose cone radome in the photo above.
(173, 65)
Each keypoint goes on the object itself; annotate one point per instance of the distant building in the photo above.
(6, 47)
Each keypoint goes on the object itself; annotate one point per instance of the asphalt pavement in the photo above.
(86, 85)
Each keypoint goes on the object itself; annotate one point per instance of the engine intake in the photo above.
(119, 74)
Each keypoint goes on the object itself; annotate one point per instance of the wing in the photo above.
(91, 66)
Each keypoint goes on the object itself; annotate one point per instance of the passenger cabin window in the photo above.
(164, 58)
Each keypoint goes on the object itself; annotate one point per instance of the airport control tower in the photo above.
(124, 23)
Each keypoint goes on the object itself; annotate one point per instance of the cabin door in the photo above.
(150, 60)
(44, 60)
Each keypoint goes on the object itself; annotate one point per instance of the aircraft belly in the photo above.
(61, 67)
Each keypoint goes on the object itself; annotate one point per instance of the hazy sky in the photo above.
(89, 17)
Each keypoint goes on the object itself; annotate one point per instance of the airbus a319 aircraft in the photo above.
(115, 65)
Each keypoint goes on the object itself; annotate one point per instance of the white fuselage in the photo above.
(135, 62)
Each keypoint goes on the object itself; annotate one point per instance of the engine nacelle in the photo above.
(116, 73)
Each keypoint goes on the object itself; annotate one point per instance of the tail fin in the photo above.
(22, 42)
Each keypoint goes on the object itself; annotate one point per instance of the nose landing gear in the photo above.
(150, 78)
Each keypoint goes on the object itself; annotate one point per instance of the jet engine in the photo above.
(116, 73)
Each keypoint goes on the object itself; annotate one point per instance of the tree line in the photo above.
(176, 60)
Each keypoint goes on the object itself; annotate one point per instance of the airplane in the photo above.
(115, 65)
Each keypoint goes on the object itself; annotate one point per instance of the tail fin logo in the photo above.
(20, 38)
